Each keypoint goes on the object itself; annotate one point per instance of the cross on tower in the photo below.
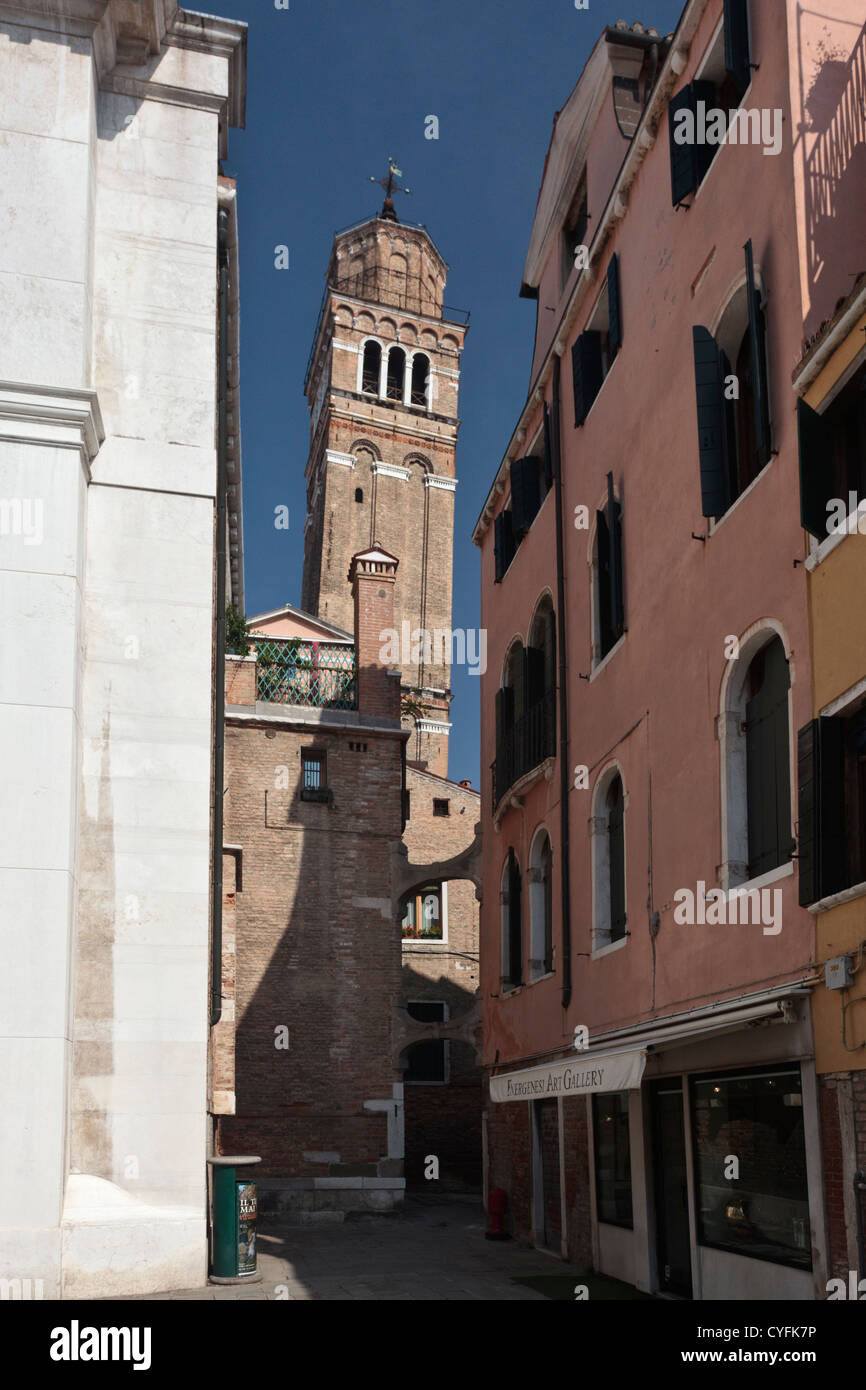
(390, 186)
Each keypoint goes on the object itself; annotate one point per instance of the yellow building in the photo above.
(830, 383)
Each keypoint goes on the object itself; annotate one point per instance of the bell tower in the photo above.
(382, 386)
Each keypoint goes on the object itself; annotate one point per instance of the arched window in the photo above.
(608, 833)
(512, 927)
(756, 751)
(371, 368)
(396, 374)
(540, 906)
(526, 704)
(420, 378)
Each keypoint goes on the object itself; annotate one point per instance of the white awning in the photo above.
(607, 1071)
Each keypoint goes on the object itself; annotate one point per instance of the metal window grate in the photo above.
(315, 675)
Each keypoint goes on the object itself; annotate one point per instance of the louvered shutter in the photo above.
(534, 676)
(710, 392)
(821, 845)
(525, 493)
(768, 787)
(613, 306)
(602, 533)
(614, 529)
(498, 566)
(515, 935)
(757, 340)
(519, 683)
(737, 43)
(689, 162)
(586, 370)
(815, 461)
(616, 846)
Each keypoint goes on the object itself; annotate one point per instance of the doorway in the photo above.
(673, 1244)
(545, 1166)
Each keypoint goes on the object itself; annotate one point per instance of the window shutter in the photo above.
(689, 162)
(534, 675)
(550, 650)
(498, 566)
(586, 373)
(710, 390)
(767, 776)
(525, 493)
(737, 43)
(602, 534)
(616, 833)
(757, 338)
(821, 809)
(515, 942)
(614, 529)
(814, 459)
(549, 472)
(500, 718)
(613, 306)
(519, 683)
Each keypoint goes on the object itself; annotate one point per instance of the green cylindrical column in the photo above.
(224, 1263)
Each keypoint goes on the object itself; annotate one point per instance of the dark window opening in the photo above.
(359, 494)
(371, 368)
(512, 925)
(504, 544)
(427, 1061)
(314, 783)
(574, 230)
(609, 575)
(831, 777)
(833, 457)
(420, 377)
(440, 807)
(396, 374)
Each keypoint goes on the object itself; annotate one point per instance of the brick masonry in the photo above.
(843, 1144)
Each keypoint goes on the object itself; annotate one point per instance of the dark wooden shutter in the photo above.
(815, 458)
(602, 535)
(616, 845)
(525, 493)
(768, 783)
(515, 934)
(586, 370)
(534, 675)
(760, 385)
(500, 718)
(821, 845)
(689, 163)
(710, 392)
(549, 471)
(518, 666)
(613, 306)
(737, 43)
(550, 650)
(614, 529)
(498, 566)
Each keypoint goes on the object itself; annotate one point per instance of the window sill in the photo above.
(827, 546)
(609, 947)
(596, 670)
(536, 979)
(762, 881)
(717, 522)
(410, 941)
(845, 895)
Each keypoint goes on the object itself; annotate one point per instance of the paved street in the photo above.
(435, 1249)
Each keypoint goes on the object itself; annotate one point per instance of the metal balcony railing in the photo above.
(316, 675)
(530, 740)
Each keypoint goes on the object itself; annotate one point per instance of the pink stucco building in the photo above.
(653, 1103)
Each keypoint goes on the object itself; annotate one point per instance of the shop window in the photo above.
(756, 1117)
(612, 1158)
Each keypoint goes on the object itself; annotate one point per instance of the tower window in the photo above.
(396, 373)
(359, 494)
(420, 378)
(371, 368)
(440, 806)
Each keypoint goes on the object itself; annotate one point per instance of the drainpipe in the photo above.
(564, 780)
(220, 654)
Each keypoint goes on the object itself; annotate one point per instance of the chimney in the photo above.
(372, 574)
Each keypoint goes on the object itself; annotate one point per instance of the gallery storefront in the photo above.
(703, 1153)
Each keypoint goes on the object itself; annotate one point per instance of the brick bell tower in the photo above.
(382, 387)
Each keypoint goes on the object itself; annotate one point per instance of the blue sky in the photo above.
(333, 88)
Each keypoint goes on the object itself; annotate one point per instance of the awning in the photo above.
(607, 1071)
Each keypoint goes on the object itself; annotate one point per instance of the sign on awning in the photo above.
(611, 1071)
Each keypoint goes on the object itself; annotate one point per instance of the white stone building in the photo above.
(113, 114)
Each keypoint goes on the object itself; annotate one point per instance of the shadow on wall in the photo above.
(834, 132)
(442, 1117)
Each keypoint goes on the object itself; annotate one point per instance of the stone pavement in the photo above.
(433, 1249)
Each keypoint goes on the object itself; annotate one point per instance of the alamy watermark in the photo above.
(443, 646)
(736, 907)
(711, 125)
(22, 516)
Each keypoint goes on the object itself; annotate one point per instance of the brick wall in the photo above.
(240, 681)
(318, 950)
(575, 1133)
(509, 1162)
(843, 1144)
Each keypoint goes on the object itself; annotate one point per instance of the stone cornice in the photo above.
(433, 480)
(390, 470)
(53, 416)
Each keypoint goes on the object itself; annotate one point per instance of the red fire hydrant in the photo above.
(497, 1205)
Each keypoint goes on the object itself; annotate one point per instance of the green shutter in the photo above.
(586, 372)
(737, 43)
(710, 393)
(768, 783)
(525, 493)
(760, 385)
(684, 169)
(613, 306)
(602, 551)
(519, 682)
(498, 548)
(815, 464)
(534, 676)
(821, 844)
(614, 529)
(515, 933)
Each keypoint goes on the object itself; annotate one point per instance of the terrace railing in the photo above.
(315, 675)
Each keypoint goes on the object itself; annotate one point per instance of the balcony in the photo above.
(315, 675)
(530, 740)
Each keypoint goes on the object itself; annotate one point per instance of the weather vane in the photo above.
(391, 186)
